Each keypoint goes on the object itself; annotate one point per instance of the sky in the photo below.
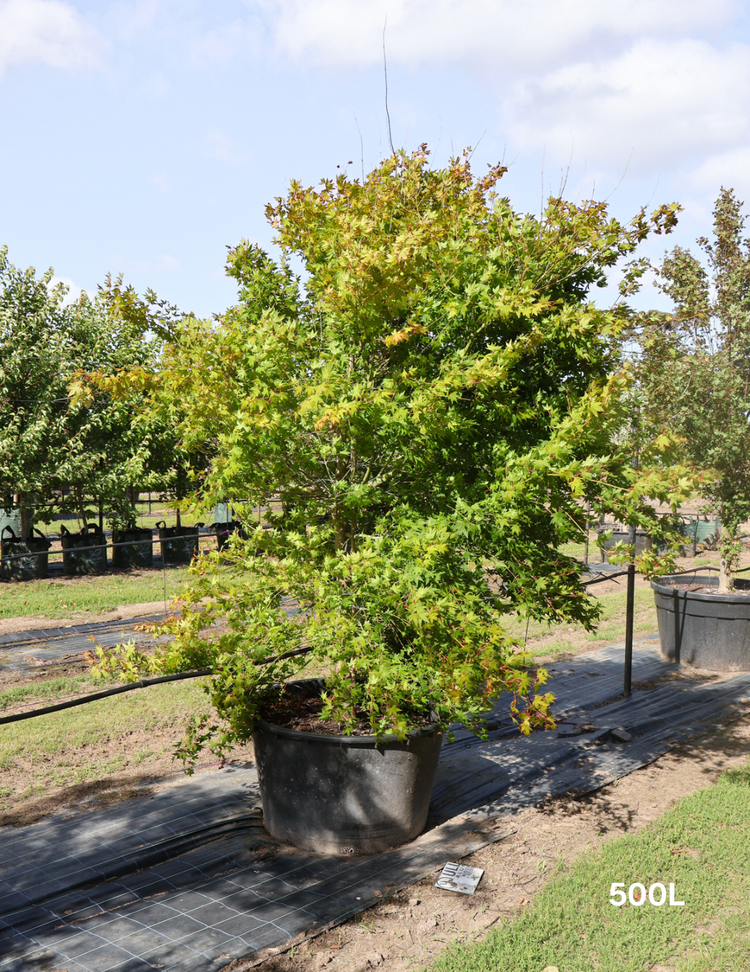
(144, 137)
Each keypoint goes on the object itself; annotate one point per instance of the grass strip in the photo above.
(62, 737)
(49, 689)
(701, 846)
(61, 598)
(544, 639)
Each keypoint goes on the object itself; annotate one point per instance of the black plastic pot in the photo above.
(344, 794)
(705, 630)
(33, 554)
(138, 550)
(84, 552)
(643, 542)
(178, 544)
(224, 531)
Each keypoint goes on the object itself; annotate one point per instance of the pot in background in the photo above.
(705, 630)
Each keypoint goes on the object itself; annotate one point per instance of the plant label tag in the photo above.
(459, 877)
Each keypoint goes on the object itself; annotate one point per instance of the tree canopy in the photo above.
(434, 399)
(694, 371)
(58, 449)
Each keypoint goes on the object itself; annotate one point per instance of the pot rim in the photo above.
(670, 589)
(342, 740)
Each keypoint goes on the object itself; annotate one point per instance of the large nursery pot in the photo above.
(136, 551)
(344, 794)
(705, 630)
(32, 551)
(178, 544)
(84, 552)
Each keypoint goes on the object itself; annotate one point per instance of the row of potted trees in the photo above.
(85, 552)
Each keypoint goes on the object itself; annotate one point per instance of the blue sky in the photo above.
(145, 137)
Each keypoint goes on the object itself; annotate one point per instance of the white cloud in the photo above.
(729, 169)
(581, 78)
(667, 102)
(488, 34)
(48, 32)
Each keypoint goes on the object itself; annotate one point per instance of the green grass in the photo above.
(611, 628)
(578, 550)
(49, 690)
(70, 595)
(69, 740)
(701, 846)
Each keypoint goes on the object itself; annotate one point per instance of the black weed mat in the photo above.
(187, 879)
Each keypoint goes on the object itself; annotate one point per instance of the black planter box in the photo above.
(137, 549)
(30, 567)
(178, 544)
(224, 531)
(84, 552)
(643, 542)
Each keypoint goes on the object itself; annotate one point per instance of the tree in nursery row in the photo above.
(59, 449)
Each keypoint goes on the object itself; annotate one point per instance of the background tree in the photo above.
(34, 399)
(59, 451)
(694, 372)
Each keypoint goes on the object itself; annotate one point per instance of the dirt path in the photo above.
(122, 613)
(409, 931)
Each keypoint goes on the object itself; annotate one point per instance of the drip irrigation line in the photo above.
(605, 577)
(142, 683)
(95, 696)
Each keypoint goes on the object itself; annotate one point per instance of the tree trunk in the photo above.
(725, 577)
(80, 506)
(27, 515)
(729, 546)
(339, 530)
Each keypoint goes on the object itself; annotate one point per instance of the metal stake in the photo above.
(629, 613)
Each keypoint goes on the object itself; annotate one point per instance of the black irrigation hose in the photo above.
(604, 577)
(143, 683)
(94, 696)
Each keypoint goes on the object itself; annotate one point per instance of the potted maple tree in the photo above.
(694, 380)
(424, 415)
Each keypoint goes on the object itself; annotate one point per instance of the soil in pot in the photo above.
(336, 794)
